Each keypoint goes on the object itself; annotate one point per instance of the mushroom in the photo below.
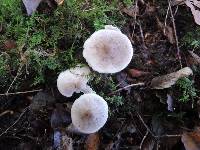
(89, 113)
(108, 50)
(74, 80)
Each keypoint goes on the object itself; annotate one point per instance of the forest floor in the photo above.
(35, 49)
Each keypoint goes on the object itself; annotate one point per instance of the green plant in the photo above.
(115, 100)
(188, 90)
(128, 2)
(192, 38)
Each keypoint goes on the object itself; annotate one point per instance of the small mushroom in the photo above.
(108, 50)
(74, 80)
(89, 113)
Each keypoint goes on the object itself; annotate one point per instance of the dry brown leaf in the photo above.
(9, 44)
(166, 81)
(167, 31)
(195, 12)
(137, 73)
(195, 57)
(92, 142)
(191, 140)
(59, 2)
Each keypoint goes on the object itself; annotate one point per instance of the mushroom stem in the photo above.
(87, 89)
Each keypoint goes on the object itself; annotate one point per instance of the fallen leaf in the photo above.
(92, 142)
(60, 117)
(167, 31)
(9, 44)
(137, 73)
(31, 5)
(195, 57)
(196, 13)
(59, 2)
(41, 99)
(166, 81)
(170, 102)
(158, 125)
(191, 140)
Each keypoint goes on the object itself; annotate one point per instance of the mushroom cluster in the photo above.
(106, 51)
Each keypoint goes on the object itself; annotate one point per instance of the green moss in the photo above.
(187, 89)
(192, 38)
(50, 43)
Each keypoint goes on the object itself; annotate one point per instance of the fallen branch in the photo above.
(17, 93)
(128, 86)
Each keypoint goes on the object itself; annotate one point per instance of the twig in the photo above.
(145, 125)
(175, 33)
(128, 86)
(18, 73)
(168, 135)
(142, 34)
(17, 93)
(145, 136)
(135, 17)
(165, 24)
(15, 122)
(6, 112)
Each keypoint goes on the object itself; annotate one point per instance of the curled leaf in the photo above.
(166, 81)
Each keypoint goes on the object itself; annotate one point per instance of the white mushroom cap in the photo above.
(108, 50)
(74, 80)
(89, 113)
